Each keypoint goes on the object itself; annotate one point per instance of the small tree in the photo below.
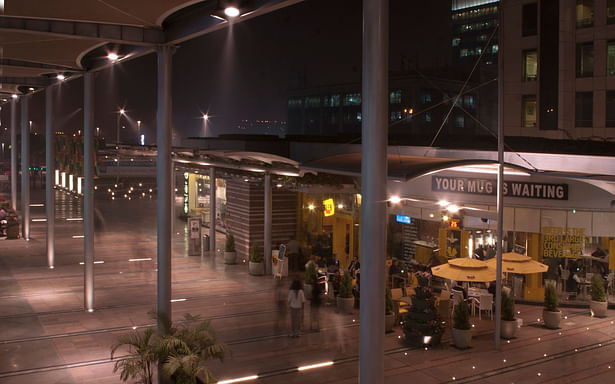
(230, 243)
(508, 307)
(310, 274)
(388, 302)
(346, 286)
(597, 289)
(551, 302)
(461, 318)
(255, 254)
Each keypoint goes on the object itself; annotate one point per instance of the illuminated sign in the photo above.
(489, 187)
(454, 224)
(329, 207)
(403, 219)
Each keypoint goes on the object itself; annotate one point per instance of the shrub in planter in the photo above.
(230, 256)
(509, 323)
(462, 330)
(345, 300)
(256, 264)
(551, 314)
(598, 304)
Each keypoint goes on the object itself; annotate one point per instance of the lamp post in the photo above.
(138, 130)
(121, 113)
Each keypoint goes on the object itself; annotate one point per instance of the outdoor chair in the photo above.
(483, 303)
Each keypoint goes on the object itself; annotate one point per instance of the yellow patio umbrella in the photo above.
(465, 269)
(513, 262)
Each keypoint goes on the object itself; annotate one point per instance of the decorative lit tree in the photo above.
(422, 325)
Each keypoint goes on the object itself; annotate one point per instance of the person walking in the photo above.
(296, 298)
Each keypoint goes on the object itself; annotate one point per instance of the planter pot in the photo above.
(598, 308)
(345, 304)
(307, 291)
(389, 322)
(462, 338)
(551, 319)
(256, 269)
(508, 329)
(230, 257)
(12, 232)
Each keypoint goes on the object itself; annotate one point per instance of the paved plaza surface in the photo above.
(47, 337)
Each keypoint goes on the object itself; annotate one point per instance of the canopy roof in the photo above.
(40, 38)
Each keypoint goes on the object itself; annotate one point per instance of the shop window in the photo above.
(352, 99)
(610, 11)
(610, 58)
(530, 65)
(585, 13)
(610, 108)
(585, 59)
(584, 109)
(528, 111)
(530, 19)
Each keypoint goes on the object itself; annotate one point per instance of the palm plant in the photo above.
(182, 349)
(142, 357)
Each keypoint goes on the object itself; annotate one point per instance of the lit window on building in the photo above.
(468, 101)
(610, 108)
(530, 65)
(494, 48)
(456, 41)
(427, 117)
(312, 102)
(610, 58)
(585, 59)
(395, 97)
(610, 11)
(352, 99)
(585, 13)
(332, 101)
(295, 103)
(459, 121)
(584, 109)
(528, 111)
(358, 116)
(425, 97)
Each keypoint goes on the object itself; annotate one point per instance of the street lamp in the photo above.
(122, 111)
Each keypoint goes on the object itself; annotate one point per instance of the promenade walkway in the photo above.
(45, 336)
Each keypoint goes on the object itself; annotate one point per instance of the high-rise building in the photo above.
(474, 23)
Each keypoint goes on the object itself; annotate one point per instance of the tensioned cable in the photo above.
(145, 22)
(482, 53)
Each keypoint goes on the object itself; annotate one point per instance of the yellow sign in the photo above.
(558, 242)
(329, 207)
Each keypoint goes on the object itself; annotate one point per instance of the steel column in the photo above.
(50, 178)
(212, 211)
(373, 188)
(500, 190)
(25, 166)
(267, 214)
(14, 154)
(88, 188)
(164, 183)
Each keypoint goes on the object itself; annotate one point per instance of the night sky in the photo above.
(248, 70)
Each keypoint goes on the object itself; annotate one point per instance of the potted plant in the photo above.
(310, 279)
(256, 266)
(182, 350)
(142, 357)
(389, 311)
(230, 256)
(598, 303)
(509, 323)
(551, 314)
(462, 330)
(345, 301)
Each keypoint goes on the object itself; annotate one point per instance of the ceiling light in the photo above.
(452, 208)
(231, 11)
(14, 96)
(443, 203)
(113, 56)
(60, 77)
(205, 117)
(395, 199)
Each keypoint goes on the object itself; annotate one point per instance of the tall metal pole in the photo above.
(88, 188)
(267, 214)
(25, 168)
(50, 178)
(373, 188)
(164, 183)
(212, 211)
(500, 198)
(14, 154)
